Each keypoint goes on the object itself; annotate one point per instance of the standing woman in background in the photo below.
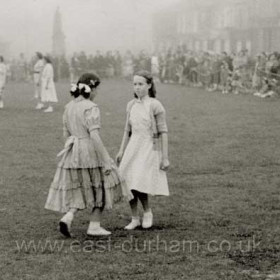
(37, 72)
(48, 92)
(3, 76)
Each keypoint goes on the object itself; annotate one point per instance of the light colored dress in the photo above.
(48, 92)
(79, 181)
(140, 165)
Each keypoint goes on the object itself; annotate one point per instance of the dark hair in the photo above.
(90, 79)
(48, 59)
(40, 56)
(149, 78)
(1, 58)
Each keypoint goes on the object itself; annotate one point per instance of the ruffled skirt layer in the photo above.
(85, 188)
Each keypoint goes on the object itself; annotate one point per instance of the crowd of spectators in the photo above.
(226, 72)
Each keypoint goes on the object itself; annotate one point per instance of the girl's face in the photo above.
(141, 87)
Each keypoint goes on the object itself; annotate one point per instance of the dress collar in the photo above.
(79, 98)
(143, 99)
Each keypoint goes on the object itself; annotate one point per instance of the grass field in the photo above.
(220, 222)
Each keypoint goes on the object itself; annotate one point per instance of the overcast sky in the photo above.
(88, 24)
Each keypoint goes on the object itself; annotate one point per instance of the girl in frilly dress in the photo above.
(86, 176)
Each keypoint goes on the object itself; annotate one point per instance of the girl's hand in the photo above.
(164, 164)
(119, 157)
(107, 169)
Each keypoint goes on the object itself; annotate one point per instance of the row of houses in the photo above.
(220, 25)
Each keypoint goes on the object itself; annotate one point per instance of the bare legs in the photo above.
(96, 215)
(147, 219)
(94, 226)
(66, 221)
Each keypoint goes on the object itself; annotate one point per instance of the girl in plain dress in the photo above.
(143, 156)
(224, 77)
(48, 91)
(86, 176)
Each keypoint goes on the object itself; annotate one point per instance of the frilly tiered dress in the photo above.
(79, 181)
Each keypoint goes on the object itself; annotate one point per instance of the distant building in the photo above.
(222, 25)
(58, 35)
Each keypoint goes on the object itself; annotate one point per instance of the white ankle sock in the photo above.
(69, 216)
(148, 211)
(94, 225)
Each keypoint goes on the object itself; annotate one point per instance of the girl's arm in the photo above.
(101, 151)
(66, 132)
(92, 122)
(164, 149)
(160, 119)
(126, 135)
(124, 143)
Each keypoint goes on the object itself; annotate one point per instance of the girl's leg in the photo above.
(73, 210)
(40, 104)
(134, 203)
(37, 89)
(96, 215)
(143, 197)
(94, 226)
(135, 220)
(148, 215)
(49, 108)
(66, 221)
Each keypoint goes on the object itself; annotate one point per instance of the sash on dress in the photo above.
(71, 144)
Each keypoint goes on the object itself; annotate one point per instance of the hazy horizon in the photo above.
(88, 25)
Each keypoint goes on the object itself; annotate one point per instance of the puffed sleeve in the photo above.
(160, 117)
(92, 118)
(66, 132)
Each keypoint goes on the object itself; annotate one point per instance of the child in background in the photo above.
(143, 156)
(3, 77)
(268, 88)
(224, 76)
(37, 72)
(86, 176)
(236, 84)
(48, 91)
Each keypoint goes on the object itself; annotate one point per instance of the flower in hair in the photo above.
(73, 87)
(86, 88)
